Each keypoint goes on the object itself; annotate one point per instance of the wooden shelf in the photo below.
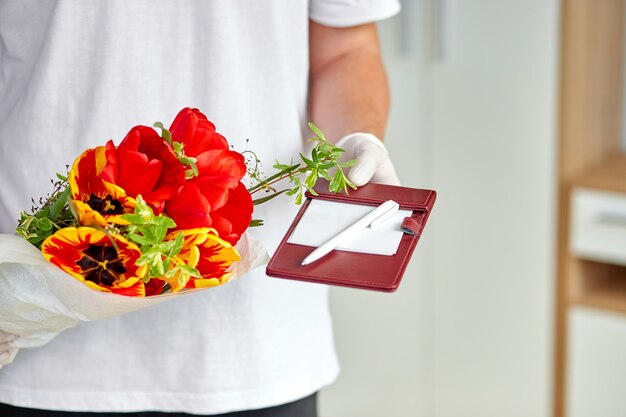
(600, 285)
(609, 175)
(590, 155)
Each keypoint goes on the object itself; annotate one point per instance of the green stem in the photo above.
(274, 178)
(268, 198)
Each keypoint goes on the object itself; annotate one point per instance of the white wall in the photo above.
(494, 133)
(469, 332)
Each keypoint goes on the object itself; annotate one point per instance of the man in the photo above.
(76, 73)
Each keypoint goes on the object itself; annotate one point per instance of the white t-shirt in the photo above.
(76, 73)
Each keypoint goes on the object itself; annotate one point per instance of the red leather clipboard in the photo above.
(352, 269)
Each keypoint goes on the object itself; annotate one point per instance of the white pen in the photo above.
(383, 212)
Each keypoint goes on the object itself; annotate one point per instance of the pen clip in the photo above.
(377, 222)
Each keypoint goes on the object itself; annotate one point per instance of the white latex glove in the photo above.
(373, 163)
(5, 348)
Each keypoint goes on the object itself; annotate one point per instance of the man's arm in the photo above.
(349, 97)
(348, 91)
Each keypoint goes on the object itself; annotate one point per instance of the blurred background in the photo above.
(515, 302)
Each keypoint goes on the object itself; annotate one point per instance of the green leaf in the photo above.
(194, 167)
(350, 184)
(138, 239)
(311, 179)
(143, 260)
(323, 148)
(269, 197)
(348, 164)
(314, 156)
(325, 174)
(190, 270)
(164, 247)
(44, 224)
(167, 221)
(165, 134)
(327, 166)
(299, 199)
(157, 268)
(178, 244)
(170, 273)
(134, 219)
(317, 131)
(59, 203)
(142, 208)
(293, 191)
(336, 152)
(337, 182)
(307, 161)
(43, 213)
(154, 262)
(255, 223)
(149, 233)
(280, 166)
(160, 232)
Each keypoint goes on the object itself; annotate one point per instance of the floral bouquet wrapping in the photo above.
(136, 224)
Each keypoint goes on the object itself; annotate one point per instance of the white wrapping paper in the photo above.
(38, 300)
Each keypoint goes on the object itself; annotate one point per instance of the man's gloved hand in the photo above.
(5, 339)
(373, 163)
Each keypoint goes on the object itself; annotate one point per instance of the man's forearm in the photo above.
(348, 85)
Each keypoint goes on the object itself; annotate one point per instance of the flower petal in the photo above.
(219, 171)
(232, 220)
(136, 173)
(84, 177)
(196, 132)
(189, 208)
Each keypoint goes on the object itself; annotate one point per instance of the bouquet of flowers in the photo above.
(135, 224)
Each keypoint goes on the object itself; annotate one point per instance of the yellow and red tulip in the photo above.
(103, 262)
(98, 202)
(211, 256)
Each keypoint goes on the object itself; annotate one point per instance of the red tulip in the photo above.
(196, 132)
(144, 164)
(216, 197)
